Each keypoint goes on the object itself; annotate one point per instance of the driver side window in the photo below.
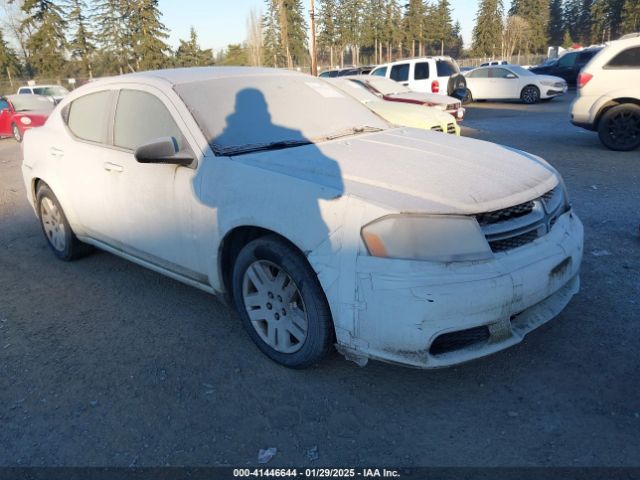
(142, 117)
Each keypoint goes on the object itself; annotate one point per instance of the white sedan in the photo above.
(512, 82)
(321, 224)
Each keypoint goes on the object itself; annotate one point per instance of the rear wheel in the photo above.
(16, 132)
(281, 303)
(56, 228)
(619, 128)
(530, 94)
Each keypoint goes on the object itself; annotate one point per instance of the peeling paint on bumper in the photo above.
(407, 305)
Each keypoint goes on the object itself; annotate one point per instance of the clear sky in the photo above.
(220, 22)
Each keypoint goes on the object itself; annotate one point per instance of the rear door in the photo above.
(567, 68)
(444, 69)
(82, 154)
(478, 83)
(420, 76)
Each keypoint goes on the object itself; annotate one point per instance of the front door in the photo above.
(5, 118)
(155, 202)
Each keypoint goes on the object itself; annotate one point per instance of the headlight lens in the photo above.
(436, 238)
(25, 120)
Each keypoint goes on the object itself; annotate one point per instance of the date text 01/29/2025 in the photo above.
(315, 473)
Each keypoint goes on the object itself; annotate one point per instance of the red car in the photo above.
(19, 113)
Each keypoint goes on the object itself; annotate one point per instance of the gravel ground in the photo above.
(103, 363)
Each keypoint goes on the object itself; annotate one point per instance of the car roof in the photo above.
(414, 59)
(180, 76)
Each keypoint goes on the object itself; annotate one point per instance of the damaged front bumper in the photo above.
(431, 315)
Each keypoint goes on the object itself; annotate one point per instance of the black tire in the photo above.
(73, 248)
(619, 128)
(16, 132)
(530, 94)
(320, 332)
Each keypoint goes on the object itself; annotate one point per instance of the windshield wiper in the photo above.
(353, 131)
(242, 149)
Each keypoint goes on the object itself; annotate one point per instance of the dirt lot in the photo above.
(103, 363)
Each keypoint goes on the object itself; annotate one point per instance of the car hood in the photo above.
(410, 115)
(409, 170)
(34, 114)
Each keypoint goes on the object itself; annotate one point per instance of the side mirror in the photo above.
(162, 150)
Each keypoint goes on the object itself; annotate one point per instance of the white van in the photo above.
(426, 74)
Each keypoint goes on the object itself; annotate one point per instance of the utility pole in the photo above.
(314, 55)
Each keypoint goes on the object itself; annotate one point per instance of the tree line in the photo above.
(71, 38)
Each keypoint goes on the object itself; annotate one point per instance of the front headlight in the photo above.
(436, 238)
(25, 120)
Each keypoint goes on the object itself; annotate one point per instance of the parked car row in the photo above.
(19, 113)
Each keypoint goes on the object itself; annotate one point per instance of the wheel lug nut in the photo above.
(269, 306)
(279, 298)
(284, 312)
(270, 295)
(277, 316)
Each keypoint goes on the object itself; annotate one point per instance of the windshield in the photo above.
(283, 109)
(54, 91)
(25, 103)
(386, 86)
(523, 72)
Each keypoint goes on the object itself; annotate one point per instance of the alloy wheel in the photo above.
(624, 129)
(53, 225)
(275, 306)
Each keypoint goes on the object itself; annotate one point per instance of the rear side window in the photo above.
(88, 116)
(482, 73)
(24, 91)
(421, 71)
(584, 57)
(400, 73)
(568, 60)
(140, 118)
(380, 72)
(446, 68)
(629, 58)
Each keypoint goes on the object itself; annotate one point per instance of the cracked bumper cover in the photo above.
(406, 305)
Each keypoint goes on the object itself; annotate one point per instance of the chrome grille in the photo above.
(521, 224)
(436, 129)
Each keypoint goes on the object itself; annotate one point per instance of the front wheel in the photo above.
(16, 133)
(56, 228)
(281, 303)
(530, 95)
(619, 128)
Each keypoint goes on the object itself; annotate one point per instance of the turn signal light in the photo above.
(583, 79)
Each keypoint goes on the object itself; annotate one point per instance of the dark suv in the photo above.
(567, 66)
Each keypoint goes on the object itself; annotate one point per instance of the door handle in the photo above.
(56, 152)
(112, 167)
(406, 84)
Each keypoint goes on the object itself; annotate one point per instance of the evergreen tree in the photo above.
(45, 19)
(271, 32)
(296, 31)
(536, 12)
(392, 34)
(189, 53)
(414, 25)
(326, 25)
(630, 17)
(9, 63)
(235, 54)
(556, 22)
(443, 32)
(111, 18)
(583, 25)
(373, 27)
(146, 35)
(487, 33)
(567, 42)
(81, 43)
(571, 17)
